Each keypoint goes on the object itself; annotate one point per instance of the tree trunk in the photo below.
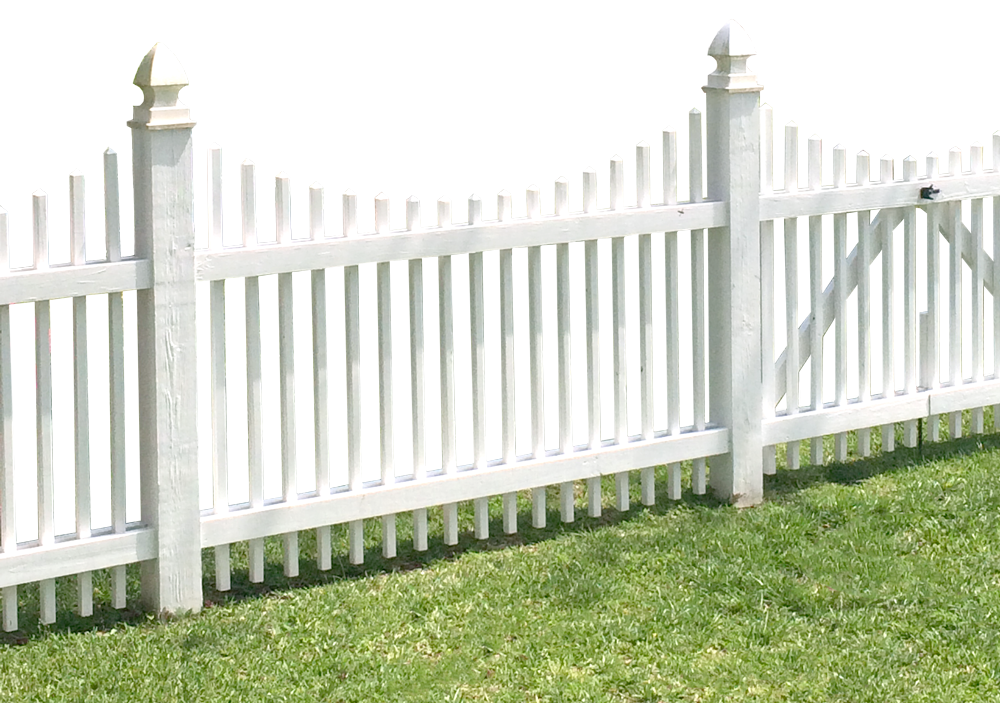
(908, 99)
(322, 32)
(882, 118)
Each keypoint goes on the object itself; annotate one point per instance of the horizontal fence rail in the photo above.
(352, 376)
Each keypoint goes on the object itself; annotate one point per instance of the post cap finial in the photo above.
(731, 48)
(161, 77)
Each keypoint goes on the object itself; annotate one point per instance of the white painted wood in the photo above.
(591, 264)
(417, 363)
(733, 139)
(888, 313)
(43, 407)
(995, 278)
(699, 474)
(507, 407)
(29, 286)
(647, 492)
(978, 331)
(618, 326)
(840, 299)
(695, 175)
(792, 290)
(766, 282)
(843, 418)
(669, 165)
(866, 253)
(954, 214)
(162, 179)
(931, 339)
(697, 268)
(286, 373)
(477, 327)
(81, 394)
(513, 233)
(217, 345)
(116, 370)
(672, 291)
(65, 558)
(383, 283)
(446, 328)
(642, 175)
(816, 375)
(961, 397)
(564, 341)
(8, 517)
(352, 355)
(321, 392)
(610, 459)
(536, 356)
(910, 301)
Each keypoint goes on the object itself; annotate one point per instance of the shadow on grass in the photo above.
(784, 484)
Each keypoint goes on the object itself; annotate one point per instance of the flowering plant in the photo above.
(117, 33)
(23, 328)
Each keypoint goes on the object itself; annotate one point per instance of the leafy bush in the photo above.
(51, 85)
(416, 66)
(261, 92)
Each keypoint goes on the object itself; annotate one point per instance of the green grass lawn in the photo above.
(877, 580)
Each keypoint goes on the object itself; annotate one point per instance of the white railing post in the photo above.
(162, 178)
(649, 39)
(735, 388)
(543, 58)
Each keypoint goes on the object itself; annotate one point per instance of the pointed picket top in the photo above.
(932, 164)
(349, 208)
(955, 161)
(412, 212)
(862, 168)
(381, 214)
(161, 78)
(110, 152)
(504, 205)
(247, 162)
(886, 169)
(317, 216)
(562, 191)
(976, 157)
(475, 209)
(695, 111)
(444, 211)
(909, 168)
(533, 201)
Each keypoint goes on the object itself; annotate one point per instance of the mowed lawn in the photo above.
(878, 580)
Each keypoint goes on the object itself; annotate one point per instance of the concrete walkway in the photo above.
(540, 101)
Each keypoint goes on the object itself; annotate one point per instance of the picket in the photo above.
(725, 228)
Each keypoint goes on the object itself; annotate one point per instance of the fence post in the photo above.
(543, 58)
(162, 180)
(735, 387)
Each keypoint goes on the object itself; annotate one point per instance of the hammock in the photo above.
(961, 64)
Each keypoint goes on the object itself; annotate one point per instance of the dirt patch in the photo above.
(398, 194)
(881, 144)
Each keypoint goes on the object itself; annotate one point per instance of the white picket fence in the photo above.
(743, 401)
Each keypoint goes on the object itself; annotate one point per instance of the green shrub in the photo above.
(416, 66)
(261, 92)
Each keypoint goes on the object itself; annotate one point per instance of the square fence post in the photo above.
(734, 294)
(162, 177)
